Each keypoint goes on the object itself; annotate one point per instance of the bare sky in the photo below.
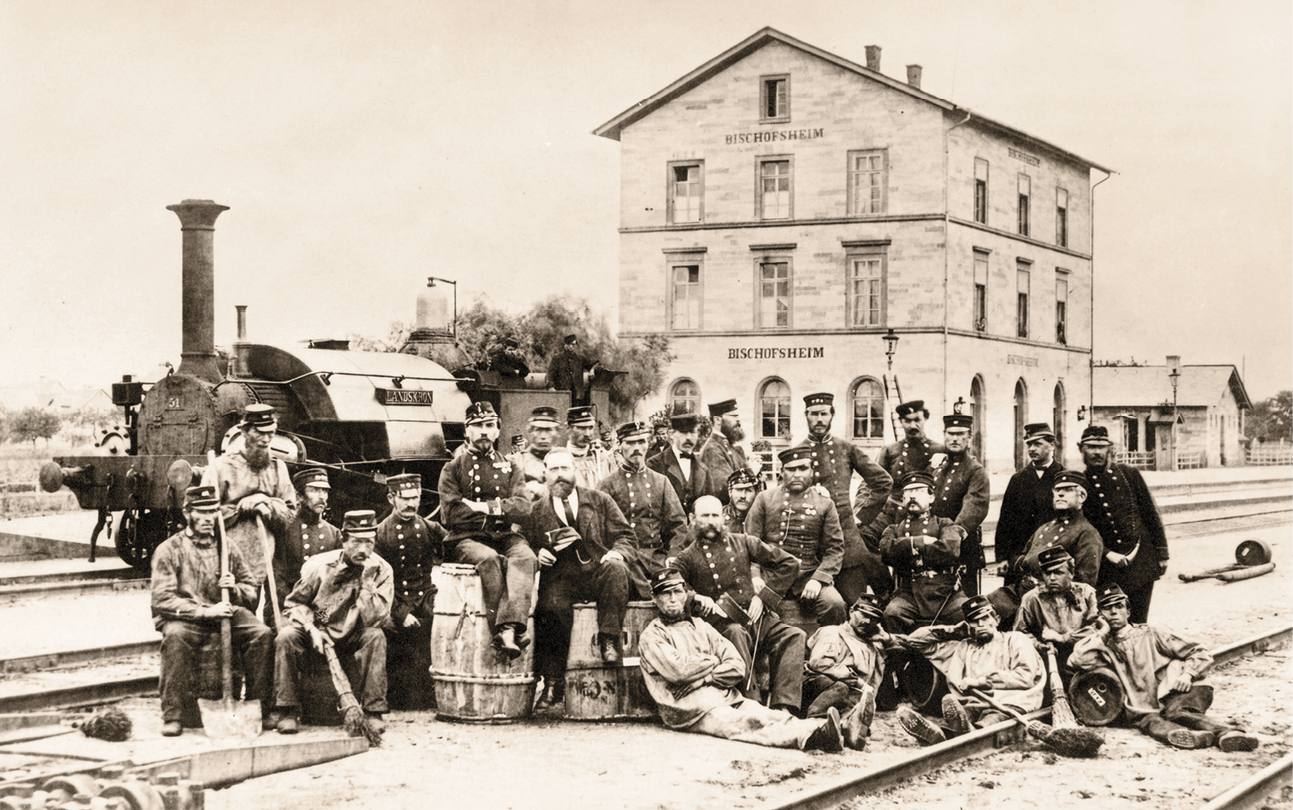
(364, 146)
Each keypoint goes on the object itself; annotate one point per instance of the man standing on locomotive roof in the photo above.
(307, 534)
(961, 494)
(800, 519)
(412, 545)
(649, 504)
(925, 552)
(679, 464)
(834, 461)
(482, 496)
(566, 371)
(914, 452)
(721, 455)
(254, 489)
(1123, 512)
(584, 546)
(1027, 504)
(592, 463)
(541, 431)
(187, 610)
(742, 486)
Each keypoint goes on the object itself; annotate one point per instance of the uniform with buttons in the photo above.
(961, 494)
(928, 585)
(1122, 510)
(908, 455)
(1025, 506)
(653, 511)
(1072, 532)
(304, 536)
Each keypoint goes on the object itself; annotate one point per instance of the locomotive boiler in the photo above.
(362, 415)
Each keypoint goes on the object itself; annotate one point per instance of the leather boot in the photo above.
(829, 736)
(505, 642)
(609, 647)
(554, 694)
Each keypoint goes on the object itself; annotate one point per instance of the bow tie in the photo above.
(688, 456)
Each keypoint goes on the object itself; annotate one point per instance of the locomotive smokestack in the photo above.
(242, 321)
(197, 223)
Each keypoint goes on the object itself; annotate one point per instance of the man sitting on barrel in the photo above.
(584, 546)
(187, 610)
(1163, 690)
(1060, 611)
(694, 676)
(846, 662)
(975, 655)
(343, 600)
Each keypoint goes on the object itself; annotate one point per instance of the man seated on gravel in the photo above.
(1163, 691)
(975, 655)
(846, 662)
(693, 674)
(187, 609)
(1059, 611)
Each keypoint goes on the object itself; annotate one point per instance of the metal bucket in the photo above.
(595, 690)
(1253, 552)
(1096, 696)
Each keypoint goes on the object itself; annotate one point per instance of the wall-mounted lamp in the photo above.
(891, 346)
(959, 405)
(1081, 413)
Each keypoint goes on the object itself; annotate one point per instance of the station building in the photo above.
(782, 208)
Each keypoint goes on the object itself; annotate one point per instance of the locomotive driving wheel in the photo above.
(140, 532)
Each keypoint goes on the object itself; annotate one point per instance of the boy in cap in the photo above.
(187, 609)
(693, 674)
(846, 663)
(1026, 505)
(307, 534)
(1162, 676)
(925, 552)
(721, 455)
(343, 600)
(412, 545)
(679, 464)
(1059, 611)
(592, 463)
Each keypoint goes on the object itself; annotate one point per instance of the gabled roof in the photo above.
(612, 128)
(1148, 386)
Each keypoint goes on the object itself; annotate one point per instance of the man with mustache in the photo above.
(742, 487)
(1070, 530)
(721, 455)
(252, 484)
(649, 504)
(1027, 504)
(925, 551)
(592, 463)
(1059, 611)
(914, 451)
(975, 654)
(307, 534)
(482, 497)
(846, 663)
(679, 463)
(343, 600)
(961, 494)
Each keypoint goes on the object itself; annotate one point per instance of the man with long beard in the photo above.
(307, 534)
(720, 454)
(254, 488)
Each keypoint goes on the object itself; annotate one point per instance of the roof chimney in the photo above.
(913, 76)
(873, 58)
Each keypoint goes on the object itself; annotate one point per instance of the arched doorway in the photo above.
(1021, 419)
(979, 441)
(1057, 421)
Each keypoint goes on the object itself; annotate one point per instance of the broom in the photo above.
(354, 720)
(1068, 741)
(1061, 711)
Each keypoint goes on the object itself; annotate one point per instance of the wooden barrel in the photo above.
(473, 682)
(1095, 696)
(793, 615)
(596, 690)
(921, 683)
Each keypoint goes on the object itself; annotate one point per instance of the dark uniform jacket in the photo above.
(654, 514)
(733, 522)
(307, 534)
(834, 462)
(1121, 509)
(1024, 508)
(566, 373)
(485, 477)
(721, 458)
(412, 547)
(600, 523)
(907, 455)
(927, 573)
(722, 566)
(699, 485)
(806, 525)
(961, 494)
(1072, 532)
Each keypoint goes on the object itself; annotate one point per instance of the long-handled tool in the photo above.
(1061, 711)
(226, 718)
(269, 572)
(356, 724)
(1070, 741)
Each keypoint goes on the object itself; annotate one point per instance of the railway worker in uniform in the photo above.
(541, 434)
(592, 463)
(482, 498)
(846, 661)
(566, 371)
(742, 486)
(307, 534)
(717, 567)
(1027, 504)
(974, 654)
(343, 600)
(187, 610)
(679, 464)
(1070, 530)
(961, 494)
(659, 436)
(1123, 512)
(649, 504)
(508, 360)
(584, 547)
(1162, 676)
(800, 519)
(694, 675)
(412, 545)
(834, 462)
(721, 454)
(925, 552)
(915, 451)
(253, 487)
(1060, 610)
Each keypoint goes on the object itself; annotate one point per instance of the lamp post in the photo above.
(891, 346)
(1174, 374)
(431, 280)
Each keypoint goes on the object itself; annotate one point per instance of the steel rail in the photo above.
(89, 694)
(52, 660)
(1252, 792)
(72, 587)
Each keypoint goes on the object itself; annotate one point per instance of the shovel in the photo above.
(227, 719)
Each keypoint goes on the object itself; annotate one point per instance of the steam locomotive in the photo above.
(362, 415)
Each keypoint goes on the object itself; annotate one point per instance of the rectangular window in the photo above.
(981, 190)
(867, 182)
(684, 299)
(866, 289)
(1061, 217)
(686, 192)
(774, 189)
(980, 291)
(774, 98)
(1025, 191)
(774, 295)
(1061, 310)
(1021, 311)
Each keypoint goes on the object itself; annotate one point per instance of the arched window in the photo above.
(684, 397)
(867, 398)
(1021, 419)
(980, 414)
(1057, 422)
(774, 410)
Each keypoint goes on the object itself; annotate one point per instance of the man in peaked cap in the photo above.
(508, 360)
(482, 499)
(721, 454)
(1059, 611)
(307, 534)
(796, 517)
(742, 487)
(187, 609)
(254, 489)
(1164, 692)
(962, 493)
(679, 463)
(846, 663)
(592, 463)
(343, 600)
(541, 434)
(566, 371)
(649, 503)
(1027, 504)
(1070, 531)
(1123, 511)
(834, 461)
(925, 552)
(412, 545)
(914, 451)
